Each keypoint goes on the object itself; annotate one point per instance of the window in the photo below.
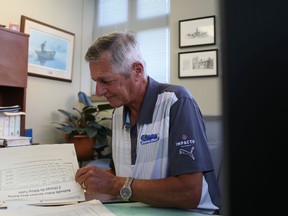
(149, 19)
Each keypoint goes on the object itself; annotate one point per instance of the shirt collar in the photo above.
(148, 105)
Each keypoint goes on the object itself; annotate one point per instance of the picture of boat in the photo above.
(46, 51)
(45, 55)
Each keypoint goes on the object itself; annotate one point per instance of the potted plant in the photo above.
(83, 126)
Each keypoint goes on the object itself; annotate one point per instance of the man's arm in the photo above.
(183, 191)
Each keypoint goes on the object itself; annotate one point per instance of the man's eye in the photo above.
(107, 82)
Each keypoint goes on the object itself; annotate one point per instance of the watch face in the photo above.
(125, 192)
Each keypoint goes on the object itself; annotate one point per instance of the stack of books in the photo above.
(15, 108)
(11, 141)
(10, 120)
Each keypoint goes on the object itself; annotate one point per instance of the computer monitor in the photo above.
(255, 68)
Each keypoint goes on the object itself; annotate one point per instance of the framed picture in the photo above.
(51, 50)
(14, 26)
(198, 64)
(197, 32)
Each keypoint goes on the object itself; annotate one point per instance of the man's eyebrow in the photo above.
(105, 78)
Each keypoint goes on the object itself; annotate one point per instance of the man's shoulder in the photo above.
(178, 90)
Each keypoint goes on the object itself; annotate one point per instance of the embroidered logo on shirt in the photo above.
(189, 153)
(185, 142)
(146, 138)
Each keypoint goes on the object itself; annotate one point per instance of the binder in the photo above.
(17, 128)
(14, 123)
(11, 125)
(4, 124)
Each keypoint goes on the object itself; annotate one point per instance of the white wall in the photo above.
(45, 96)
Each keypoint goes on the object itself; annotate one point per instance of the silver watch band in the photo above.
(128, 181)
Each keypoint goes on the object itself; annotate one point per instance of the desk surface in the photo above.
(141, 209)
(123, 208)
(137, 208)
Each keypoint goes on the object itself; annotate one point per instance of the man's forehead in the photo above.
(105, 76)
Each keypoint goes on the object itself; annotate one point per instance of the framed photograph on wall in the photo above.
(51, 50)
(202, 63)
(197, 32)
(14, 26)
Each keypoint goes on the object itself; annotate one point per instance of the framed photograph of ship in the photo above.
(197, 32)
(202, 63)
(51, 50)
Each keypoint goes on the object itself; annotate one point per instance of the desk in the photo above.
(137, 208)
(141, 209)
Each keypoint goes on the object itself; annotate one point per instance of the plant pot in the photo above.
(84, 147)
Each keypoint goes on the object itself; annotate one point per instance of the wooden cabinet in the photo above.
(13, 69)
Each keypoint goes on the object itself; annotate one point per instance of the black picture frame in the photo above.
(197, 32)
(203, 63)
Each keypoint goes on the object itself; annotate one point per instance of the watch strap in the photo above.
(128, 181)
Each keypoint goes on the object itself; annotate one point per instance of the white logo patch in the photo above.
(189, 153)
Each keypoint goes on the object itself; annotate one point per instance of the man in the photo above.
(159, 146)
(43, 46)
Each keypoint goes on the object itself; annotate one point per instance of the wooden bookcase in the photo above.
(13, 70)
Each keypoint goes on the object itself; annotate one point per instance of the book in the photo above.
(11, 141)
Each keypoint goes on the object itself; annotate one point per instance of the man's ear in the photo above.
(138, 68)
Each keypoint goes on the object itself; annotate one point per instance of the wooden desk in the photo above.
(123, 208)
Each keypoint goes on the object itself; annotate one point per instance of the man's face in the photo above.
(116, 88)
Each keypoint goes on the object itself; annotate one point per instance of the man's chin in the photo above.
(114, 103)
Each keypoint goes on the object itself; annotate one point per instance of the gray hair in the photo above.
(123, 47)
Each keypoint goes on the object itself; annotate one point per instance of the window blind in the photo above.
(149, 19)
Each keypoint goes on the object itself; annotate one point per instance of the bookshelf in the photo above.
(13, 69)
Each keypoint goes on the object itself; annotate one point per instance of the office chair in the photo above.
(214, 129)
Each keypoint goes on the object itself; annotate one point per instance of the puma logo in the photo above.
(183, 151)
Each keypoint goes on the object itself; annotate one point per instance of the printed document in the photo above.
(89, 208)
(39, 174)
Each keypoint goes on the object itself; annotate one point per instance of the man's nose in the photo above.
(100, 89)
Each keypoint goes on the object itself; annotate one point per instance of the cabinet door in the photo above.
(13, 70)
(13, 58)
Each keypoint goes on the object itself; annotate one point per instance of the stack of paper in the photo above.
(11, 141)
(15, 108)
(89, 208)
(34, 177)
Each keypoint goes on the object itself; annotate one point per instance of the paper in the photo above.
(89, 208)
(14, 108)
(11, 141)
(39, 174)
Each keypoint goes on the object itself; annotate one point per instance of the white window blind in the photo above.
(149, 19)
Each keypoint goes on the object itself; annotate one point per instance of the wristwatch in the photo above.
(126, 191)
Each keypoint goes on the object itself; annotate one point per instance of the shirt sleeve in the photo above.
(188, 148)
